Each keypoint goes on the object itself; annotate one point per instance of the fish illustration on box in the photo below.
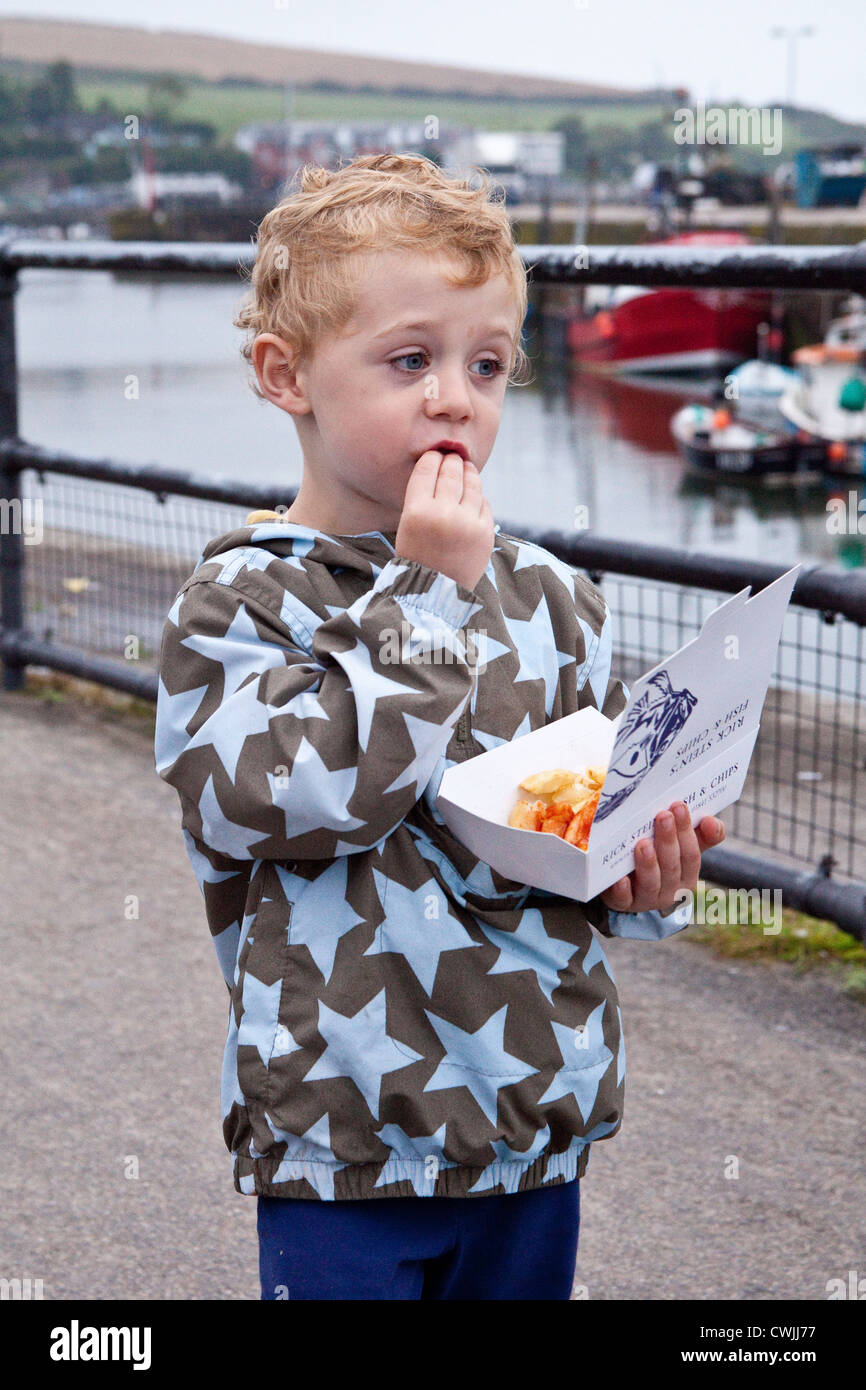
(653, 721)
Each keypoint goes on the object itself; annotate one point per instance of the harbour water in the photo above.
(148, 370)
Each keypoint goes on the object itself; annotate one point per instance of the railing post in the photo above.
(11, 521)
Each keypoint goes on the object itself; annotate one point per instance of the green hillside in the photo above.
(230, 105)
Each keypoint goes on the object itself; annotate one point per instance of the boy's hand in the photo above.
(672, 865)
(446, 522)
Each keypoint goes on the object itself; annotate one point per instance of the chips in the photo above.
(570, 815)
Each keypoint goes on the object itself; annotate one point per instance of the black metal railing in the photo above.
(117, 541)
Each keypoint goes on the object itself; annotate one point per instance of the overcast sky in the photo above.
(720, 49)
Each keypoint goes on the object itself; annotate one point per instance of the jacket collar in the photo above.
(287, 538)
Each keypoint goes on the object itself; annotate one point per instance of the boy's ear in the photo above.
(274, 361)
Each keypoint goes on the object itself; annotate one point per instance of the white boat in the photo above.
(830, 399)
(761, 381)
(713, 442)
(757, 388)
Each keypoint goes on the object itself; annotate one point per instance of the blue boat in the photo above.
(833, 177)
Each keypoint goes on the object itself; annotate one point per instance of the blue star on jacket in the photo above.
(535, 950)
(595, 956)
(201, 865)
(476, 1059)
(326, 809)
(221, 834)
(250, 716)
(173, 713)
(423, 733)
(260, 1003)
(321, 916)
(239, 650)
(557, 1163)
(368, 686)
(359, 1047)
(536, 646)
(409, 933)
(572, 1078)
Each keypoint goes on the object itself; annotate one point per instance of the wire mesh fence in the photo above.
(807, 776)
(110, 562)
(113, 556)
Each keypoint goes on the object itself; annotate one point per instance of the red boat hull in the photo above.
(671, 330)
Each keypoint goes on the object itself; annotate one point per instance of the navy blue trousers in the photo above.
(518, 1245)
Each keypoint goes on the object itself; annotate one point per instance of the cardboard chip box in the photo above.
(686, 734)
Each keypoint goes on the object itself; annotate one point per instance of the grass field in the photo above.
(230, 107)
(803, 942)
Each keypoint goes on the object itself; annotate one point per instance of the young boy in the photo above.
(405, 1023)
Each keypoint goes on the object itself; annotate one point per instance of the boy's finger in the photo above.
(710, 832)
(471, 483)
(618, 896)
(667, 845)
(690, 849)
(422, 479)
(648, 875)
(449, 483)
(667, 848)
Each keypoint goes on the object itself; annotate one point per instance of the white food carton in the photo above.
(686, 734)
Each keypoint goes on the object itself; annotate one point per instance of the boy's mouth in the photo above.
(448, 446)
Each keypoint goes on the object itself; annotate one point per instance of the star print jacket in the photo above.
(404, 1021)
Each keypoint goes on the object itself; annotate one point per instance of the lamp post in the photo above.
(792, 34)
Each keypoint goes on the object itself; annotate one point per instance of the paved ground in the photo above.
(112, 1037)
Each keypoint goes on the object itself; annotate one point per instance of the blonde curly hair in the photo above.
(307, 274)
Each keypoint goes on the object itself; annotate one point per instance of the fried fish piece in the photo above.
(557, 818)
(578, 831)
(565, 784)
(571, 814)
(527, 815)
(594, 777)
(547, 783)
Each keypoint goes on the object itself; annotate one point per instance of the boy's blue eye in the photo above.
(406, 357)
(494, 363)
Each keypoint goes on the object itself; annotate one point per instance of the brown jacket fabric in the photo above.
(403, 1020)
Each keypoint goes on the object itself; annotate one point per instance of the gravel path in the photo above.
(112, 1037)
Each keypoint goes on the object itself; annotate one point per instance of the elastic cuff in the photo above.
(418, 586)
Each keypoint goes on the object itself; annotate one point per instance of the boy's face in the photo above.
(416, 364)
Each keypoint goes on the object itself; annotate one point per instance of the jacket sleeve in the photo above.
(279, 752)
(611, 697)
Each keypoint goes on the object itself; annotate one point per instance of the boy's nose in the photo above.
(450, 395)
